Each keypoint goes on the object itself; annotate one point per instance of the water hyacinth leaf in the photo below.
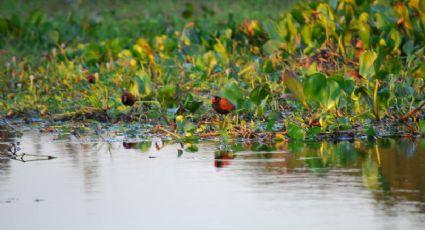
(233, 92)
(188, 11)
(192, 148)
(307, 35)
(221, 50)
(344, 123)
(271, 29)
(294, 86)
(313, 132)
(331, 94)
(295, 132)
(36, 17)
(422, 126)
(259, 94)
(166, 96)
(271, 120)
(144, 85)
(348, 85)
(53, 37)
(191, 104)
(371, 132)
(314, 85)
(3, 25)
(367, 61)
(396, 37)
(271, 46)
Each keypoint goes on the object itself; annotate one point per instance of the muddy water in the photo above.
(101, 185)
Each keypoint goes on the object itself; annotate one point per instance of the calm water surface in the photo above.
(100, 185)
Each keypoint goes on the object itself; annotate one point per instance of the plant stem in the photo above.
(412, 112)
(375, 100)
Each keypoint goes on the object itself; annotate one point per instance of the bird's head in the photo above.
(215, 99)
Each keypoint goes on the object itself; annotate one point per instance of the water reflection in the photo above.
(6, 138)
(360, 176)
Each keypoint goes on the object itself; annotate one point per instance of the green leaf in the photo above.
(422, 126)
(271, 120)
(191, 104)
(166, 96)
(370, 132)
(294, 86)
(259, 94)
(192, 148)
(52, 37)
(330, 95)
(312, 132)
(295, 132)
(233, 92)
(367, 61)
(271, 29)
(314, 86)
(271, 46)
(143, 85)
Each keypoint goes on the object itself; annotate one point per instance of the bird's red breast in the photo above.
(222, 105)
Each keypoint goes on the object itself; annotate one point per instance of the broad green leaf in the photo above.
(294, 86)
(422, 126)
(396, 37)
(143, 85)
(367, 61)
(312, 132)
(191, 104)
(166, 95)
(259, 94)
(52, 37)
(271, 120)
(233, 92)
(295, 132)
(314, 85)
(271, 46)
(271, 29)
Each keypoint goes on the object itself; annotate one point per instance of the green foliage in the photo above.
(367, 64)
(295, 132)
(344, 63)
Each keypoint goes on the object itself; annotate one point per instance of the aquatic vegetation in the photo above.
(325, 68)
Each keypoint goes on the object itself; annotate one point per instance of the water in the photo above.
(100, 185)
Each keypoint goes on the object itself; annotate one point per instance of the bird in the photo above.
(222, 105)
(128, 98)
(90, 78)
